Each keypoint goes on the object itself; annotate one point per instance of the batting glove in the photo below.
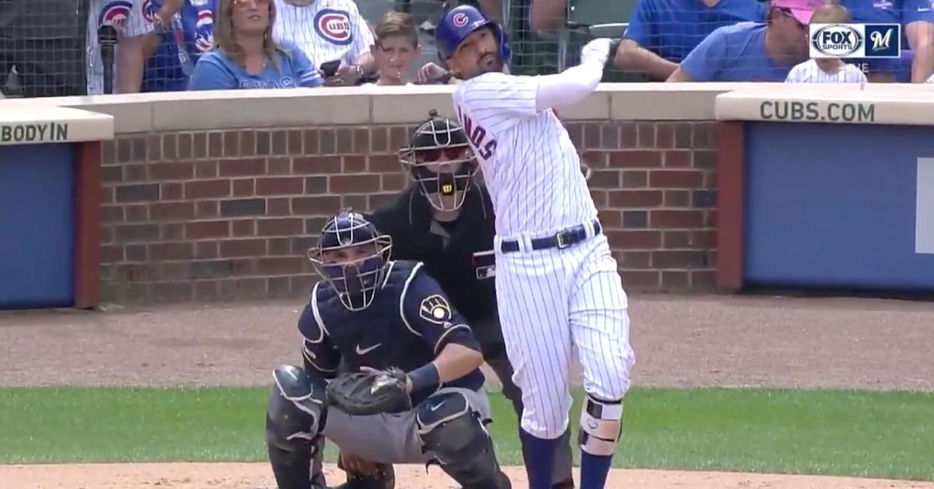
(597, 51)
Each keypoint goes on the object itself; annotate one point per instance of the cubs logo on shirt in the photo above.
(114, 14)
(204, 26)
(149, 10)
(334, 26)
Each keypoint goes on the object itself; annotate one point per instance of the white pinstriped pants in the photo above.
(550, 301)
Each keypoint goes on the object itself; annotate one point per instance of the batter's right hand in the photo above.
(596, 51)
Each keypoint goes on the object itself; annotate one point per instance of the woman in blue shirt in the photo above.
(246, 56)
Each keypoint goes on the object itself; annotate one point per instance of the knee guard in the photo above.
(454, 434)
(294, 418)
(601, 425)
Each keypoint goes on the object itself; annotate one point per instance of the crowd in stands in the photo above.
(68, 47)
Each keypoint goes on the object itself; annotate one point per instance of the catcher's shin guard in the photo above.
(294, 418)
(453, 433)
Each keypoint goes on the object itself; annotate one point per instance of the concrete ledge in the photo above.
(49, 124)
(840, 104)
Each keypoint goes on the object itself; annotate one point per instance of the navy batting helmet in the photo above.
(460, 22)
(353, 257)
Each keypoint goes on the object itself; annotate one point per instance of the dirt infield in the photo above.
(679, 341)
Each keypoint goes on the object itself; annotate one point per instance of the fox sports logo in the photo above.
(837, 40)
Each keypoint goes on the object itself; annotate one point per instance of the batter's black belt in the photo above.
(563, 239)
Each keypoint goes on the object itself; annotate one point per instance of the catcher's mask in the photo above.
(440, 160)
(353, 257)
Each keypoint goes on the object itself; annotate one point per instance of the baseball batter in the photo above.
(557, 284)
(328, 31)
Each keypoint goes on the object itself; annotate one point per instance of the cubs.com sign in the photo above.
(856, 40)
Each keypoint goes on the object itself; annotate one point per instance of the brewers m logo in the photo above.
(855, 40)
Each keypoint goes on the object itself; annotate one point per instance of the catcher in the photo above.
(408, 389)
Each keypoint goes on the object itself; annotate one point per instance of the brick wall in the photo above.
(223, 215)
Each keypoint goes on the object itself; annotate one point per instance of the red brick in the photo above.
(703, 280)
(678, 259)
(379, 140)
(232, 144)
(361, 141)
(279, 266)
(344, 141)
(247, 143)
(243, 187)
(171, 251)
(279, 142)
(706, 160)
(166, 211)
(664, 135)
(318, 205)
(398, 137)
(201, 189)
(107, 235)
(710, 179)
(135, 173)
(677, 198)
(295, 142)
(242, 247)
(636, 259)
(136, 253)
(635, 198)
(675, 280)
(393, 182)
(244, 227)
(639, 280)
(199, 146)
(207, 208)
(610, 219)
(317, 165)
(173, 231)
(206, 169)
(112, 254)
(677, 239)
(310, 139)
(107, 195)
(354, 202)
(354, 164)
(111, 214)
(206, 249)
(279, 227)
(706, 239)
(595, 159)
(279, 166)
(592, 136)
(629, 136)
(176, 170)
(136, 213)
(242, 288)
(242, 167)
(173, 271)
(279, 246)
(206, 290)
(640, 240)
(610, 136)
(710, 219)
(341, 184)
(599, 197)
(244, 267)
(207, 229)
(704, 134)
(215, 144)
(646, 131)
(280, 186)
(677, 158)
(676, 179)
(634, 179)
(635, 159)
(277, 207)
(171, 191)
(676, 219)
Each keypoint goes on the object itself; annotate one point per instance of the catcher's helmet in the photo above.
(355, 276)
(440, 160)
(460, 22)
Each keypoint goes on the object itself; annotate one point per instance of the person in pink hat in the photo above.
(753, 51)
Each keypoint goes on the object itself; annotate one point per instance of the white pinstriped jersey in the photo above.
(530, 165)
(102, 13)
(325, 30)
(809, 72)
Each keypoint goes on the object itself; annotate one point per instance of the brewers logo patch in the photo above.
(114, 14)
(435, 309)
(334, 26)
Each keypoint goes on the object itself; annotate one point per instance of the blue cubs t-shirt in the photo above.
(734, 53)
(672, 28)
(191, 35)
(901, 12)
(217, 71)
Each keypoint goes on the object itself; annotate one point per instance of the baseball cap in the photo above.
(801, 9)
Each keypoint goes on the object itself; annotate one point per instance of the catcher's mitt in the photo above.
(368, 393)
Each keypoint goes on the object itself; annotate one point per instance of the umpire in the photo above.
(445, 220)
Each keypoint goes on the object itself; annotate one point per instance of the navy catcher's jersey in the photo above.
(409, 322)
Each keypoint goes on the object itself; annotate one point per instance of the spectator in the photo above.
(752, 51)
(163, 41)
(247, 56)
(662, 32)
(328, 31)
(827, 70)
(44, 40)
(917, 19)
(396, 48)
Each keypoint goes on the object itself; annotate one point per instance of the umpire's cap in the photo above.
(460, 22)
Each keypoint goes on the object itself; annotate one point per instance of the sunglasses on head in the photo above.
(246, 3)
(434, 154)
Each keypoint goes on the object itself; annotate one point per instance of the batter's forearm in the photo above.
(569, 87)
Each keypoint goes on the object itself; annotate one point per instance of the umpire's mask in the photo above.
(440, 160)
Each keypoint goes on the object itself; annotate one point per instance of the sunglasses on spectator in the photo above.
(246, 3)
(434, 154)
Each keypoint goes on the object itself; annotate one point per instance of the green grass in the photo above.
(817, 432)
